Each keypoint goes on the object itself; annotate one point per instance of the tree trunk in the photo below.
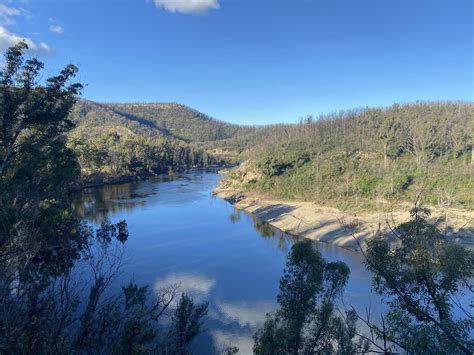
(472, 153)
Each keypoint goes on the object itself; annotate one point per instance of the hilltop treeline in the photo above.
(169, 120)
(361, 157)
(117, 140)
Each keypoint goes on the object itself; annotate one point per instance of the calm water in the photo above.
(180, 233)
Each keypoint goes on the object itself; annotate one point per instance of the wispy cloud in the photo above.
(8, 14)
(56, 29)
(188, 6)
(8, 39)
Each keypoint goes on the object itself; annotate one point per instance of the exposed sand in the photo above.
(331, 225)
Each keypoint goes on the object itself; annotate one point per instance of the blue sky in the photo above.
(254, 61)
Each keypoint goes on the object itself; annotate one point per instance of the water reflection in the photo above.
(195, 285)
(245, 313)
(181, 235)
(264, 228)
(282, 240)
(238, 323)
(95, 204)
(235, 216)
(223, 338)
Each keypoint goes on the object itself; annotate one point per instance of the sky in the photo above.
(254, 61)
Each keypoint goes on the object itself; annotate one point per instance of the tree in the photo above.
(186, 324)
(388, 136)
(471, 133)
(43, 243)
(425, 134)
(306, 322)
(421, 278)
(27, 105)
(36, 167)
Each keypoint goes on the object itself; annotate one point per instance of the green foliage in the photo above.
(169, 120)
(274, 165)
(363, 157)
(123, 140)
(186, 324)
(422, 277)
(270, 166)
(36, 167)
(306, 322)
(43, 244)
(108, 231)
(115, 153)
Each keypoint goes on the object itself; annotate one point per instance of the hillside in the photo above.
(117, 141)
(170, 120)
(367, 158)
(353, 159)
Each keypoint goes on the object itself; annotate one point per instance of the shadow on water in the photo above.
(282, 240)
(95, 204)
(235, 216)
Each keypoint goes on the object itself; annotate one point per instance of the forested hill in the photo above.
(347, 158)
(170, 120)
(367, 156)
(117, 141)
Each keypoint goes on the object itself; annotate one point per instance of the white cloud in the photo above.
(44, 47)
(188, 6)
(245, 313)
(223, 338)
(56, 29)
(8, 39)
(195, 285)
(7, 14)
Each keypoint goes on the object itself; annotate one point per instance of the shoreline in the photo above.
(331, 225)
(132, 178)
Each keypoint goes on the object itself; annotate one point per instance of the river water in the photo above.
(181, 234)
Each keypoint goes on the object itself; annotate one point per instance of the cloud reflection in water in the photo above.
(197, 286)
(223, 338)
(246, 314)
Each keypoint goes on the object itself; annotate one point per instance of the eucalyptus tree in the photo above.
(422, 279)
(36, 167)
(306, 321)
(46, 250)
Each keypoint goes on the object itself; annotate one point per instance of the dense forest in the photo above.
(115, 152)
(120, 140)
(359, 158)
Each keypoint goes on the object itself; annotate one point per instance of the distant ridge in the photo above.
(170, 120)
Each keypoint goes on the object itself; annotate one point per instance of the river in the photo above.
(181, 233)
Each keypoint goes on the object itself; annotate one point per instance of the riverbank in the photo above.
(98, 180)
(331, 225)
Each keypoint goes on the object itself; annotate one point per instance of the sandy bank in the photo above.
(331, 225)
